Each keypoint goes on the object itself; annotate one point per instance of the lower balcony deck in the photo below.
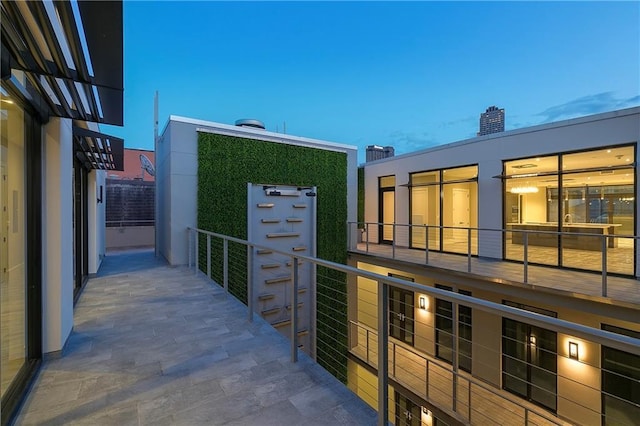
(622, 290)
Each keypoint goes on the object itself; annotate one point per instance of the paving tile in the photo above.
(156, 345)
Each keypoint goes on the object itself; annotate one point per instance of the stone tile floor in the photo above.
(158, 345)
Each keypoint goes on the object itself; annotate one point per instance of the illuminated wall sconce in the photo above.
(532, 340)
(573, 350)
(426, 412)
(423, 302)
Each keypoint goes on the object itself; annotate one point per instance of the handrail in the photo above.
(605, 238)
(471, 379)
(609, 339)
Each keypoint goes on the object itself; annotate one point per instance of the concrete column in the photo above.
(57, 232)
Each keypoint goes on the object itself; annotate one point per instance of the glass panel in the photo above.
(601, 205)
(459, 213)
(603, 158)
(461, 173)
(425, 177)
(387, 182)
(543, 367)
(388, 214)
(534, 165)
(419, 215)
(444, 330)
(514, 358)
(12, 241)
(529, 209)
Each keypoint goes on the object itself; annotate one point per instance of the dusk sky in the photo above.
(411, 75)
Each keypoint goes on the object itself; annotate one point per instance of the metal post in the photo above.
(426, 244)
(468, 249)
(349, 235)
(294, 312)
(426, 391)
(209, 255)
(393, 241)
(454, 359)
(604, 266)
(469, 398)
(225, 265)
(393, 345)
(525, 240)
(367, 344)
(197, 253)
(250, 281)
(366, 230)
(383, 353)
(189, 244)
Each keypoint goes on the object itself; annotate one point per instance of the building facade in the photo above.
(376, 152)
(54, 163)
(560, 196)
(491, 121)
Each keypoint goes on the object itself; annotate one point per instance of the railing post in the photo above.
(294, 312)
(393, 241)
(469, 250)
(367, 344)
(189, 244)
(250, 281)
(225, 265)
(366, 230)
(393, 361)
(426, 391)
(469, 398)
(197, 253)
(454, 358)
(383, 353)
(604, 266)
(208, 255)
(426, 244)
(525, 241)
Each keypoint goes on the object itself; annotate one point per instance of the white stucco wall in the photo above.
(488, 152)
(57, 234)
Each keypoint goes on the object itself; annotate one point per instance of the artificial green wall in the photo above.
(225, 165)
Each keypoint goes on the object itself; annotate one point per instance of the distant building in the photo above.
(135, 166)
(376, 152)
(491, 121)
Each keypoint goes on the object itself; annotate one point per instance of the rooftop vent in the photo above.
(249, 122)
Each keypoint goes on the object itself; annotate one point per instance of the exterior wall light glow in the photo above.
(423, 302)
(573, 350)
(524, 189)
(532, 340)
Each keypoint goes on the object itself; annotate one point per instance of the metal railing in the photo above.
(133, 222)
(525, 246)
(217, 255)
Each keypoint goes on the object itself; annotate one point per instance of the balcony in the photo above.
(158, 345)
(530, 263)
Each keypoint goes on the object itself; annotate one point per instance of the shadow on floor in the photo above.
(118, 262)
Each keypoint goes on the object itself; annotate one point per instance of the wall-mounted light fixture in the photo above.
(423, 302)
(573, 350)
(100, 197)
(524, 189)
(532, 340)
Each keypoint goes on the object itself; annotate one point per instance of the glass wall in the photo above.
(447, 201)
(387, 208)
(13, 296)
(570, 206)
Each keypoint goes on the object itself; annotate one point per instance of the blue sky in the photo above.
(411, 74)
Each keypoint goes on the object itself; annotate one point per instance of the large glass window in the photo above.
(529, 360)
(444, 331)
(620, 383)
(387, 208)
(588, 197)
(446, 202)
(401, 312)
(13, 297)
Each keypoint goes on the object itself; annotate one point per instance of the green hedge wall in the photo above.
(225, 165)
